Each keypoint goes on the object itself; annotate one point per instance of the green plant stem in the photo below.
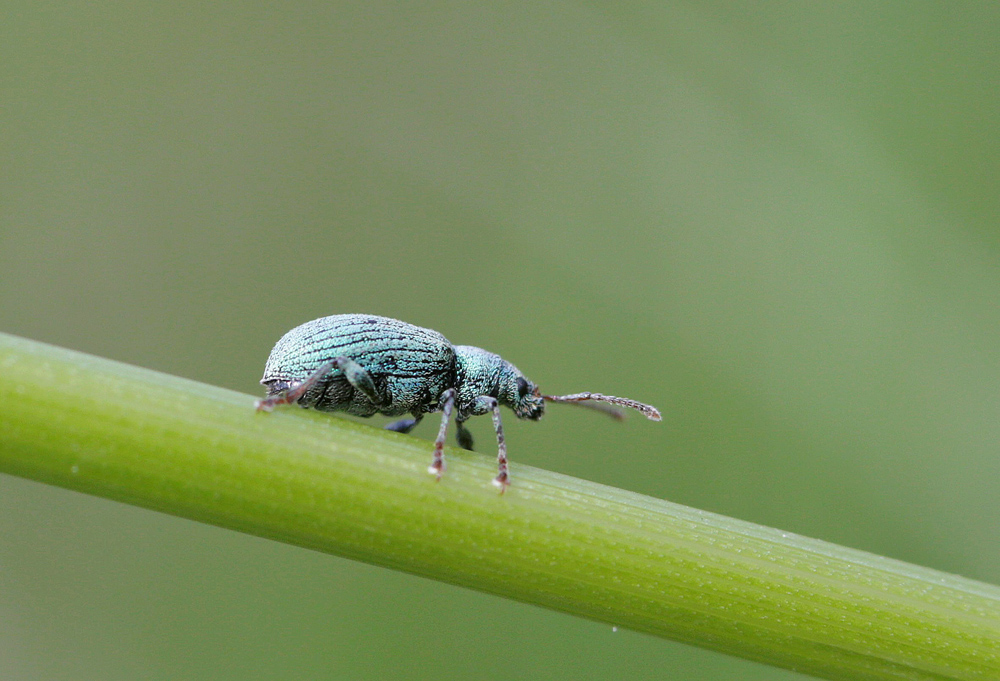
(328, 484)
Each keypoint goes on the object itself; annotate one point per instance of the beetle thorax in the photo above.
(478, 372)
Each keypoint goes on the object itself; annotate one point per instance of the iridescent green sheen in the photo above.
(364, 365)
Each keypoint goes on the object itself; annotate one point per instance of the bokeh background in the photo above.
(775, 221)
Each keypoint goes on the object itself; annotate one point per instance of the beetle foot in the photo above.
(436, 468)
(502, 481)
(266, 404)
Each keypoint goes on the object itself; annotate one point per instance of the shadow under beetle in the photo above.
(364, 365)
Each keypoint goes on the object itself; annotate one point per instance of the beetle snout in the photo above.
(531, 407)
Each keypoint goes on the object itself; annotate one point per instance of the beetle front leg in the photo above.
(295, 393)
(482, 405)
(447, 402)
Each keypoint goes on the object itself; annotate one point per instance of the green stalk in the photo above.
(328, 484)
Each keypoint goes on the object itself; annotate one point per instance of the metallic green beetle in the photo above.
(364, 365)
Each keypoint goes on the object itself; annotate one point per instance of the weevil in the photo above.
(365, 365)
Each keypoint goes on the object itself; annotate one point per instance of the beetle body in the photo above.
(410, 366)
(366, 365)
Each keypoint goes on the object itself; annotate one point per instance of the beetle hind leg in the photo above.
(296, 392)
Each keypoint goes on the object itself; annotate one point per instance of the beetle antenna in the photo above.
(589, 400)
(614, 412)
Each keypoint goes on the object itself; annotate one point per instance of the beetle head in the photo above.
(523, 397)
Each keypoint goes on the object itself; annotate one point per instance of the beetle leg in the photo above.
(463, 435)
(295, 393)
(358, 377)
(405, 425)
(484, 404)
(447, 402)
(502, 479)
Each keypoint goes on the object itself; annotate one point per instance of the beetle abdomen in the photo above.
(409, 365)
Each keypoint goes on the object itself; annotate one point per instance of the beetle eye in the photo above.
(522, 386)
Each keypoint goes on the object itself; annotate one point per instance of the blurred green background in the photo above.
(775, 221)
